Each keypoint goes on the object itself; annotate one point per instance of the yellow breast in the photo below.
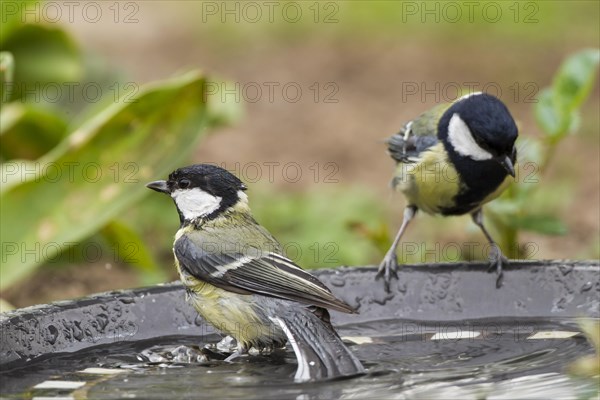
(430, 183)
(234, 314)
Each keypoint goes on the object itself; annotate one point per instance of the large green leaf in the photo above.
(45, 59)
(13, 16)
(98, 170)
(131, 249)
(28, 132)
(7, 69)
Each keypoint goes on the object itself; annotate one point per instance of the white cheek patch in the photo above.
(462, 141)
(195, 203)
(243, 197)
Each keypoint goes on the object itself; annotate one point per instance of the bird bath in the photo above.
(444, 331)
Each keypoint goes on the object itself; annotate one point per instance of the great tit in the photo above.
(451, 160)
(239, 280)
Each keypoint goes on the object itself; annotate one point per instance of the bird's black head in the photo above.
(480, 127)
(201, 191)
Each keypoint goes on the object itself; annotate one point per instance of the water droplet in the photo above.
(77, 331)
(402, 287)
(565, 269)
(337, 281)
(586, 286)
(381, 297)
(559, 304)
(53, 335)
(127, 300)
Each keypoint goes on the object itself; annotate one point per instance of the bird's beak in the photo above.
(507, 163)
(159, 186)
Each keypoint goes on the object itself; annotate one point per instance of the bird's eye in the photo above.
(184, 183)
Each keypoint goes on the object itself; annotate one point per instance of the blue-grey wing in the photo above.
(406, 147)
(416, 136)
(269, 274)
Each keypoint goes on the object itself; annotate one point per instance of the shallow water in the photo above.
(475, 359)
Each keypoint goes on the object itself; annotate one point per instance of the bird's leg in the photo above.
(497, 259)
(389, 264)
(240, 351)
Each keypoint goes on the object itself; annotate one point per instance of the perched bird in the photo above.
(239, 280)
(451, 160)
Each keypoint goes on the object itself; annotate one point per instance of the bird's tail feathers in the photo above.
(320, 352)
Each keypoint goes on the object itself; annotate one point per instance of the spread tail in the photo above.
(320, 351)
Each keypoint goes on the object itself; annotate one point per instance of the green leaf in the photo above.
(28, 132)
(546, 115)
(574, 121)
(100, 169)
(556, 111)
(46, 58)
(220, 103)
(9, 173)
(12, 16)
(7, 67)
(545, 224)
(575, 80)
(130, 248)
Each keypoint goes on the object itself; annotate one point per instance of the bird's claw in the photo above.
(239, 353)
(497, 261)
(388, 269)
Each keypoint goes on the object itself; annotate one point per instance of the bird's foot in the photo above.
(188, 354)
(227, 345)
(232, 347)
(497, 261)
(388, 269)
(239, 353)
(267, 350)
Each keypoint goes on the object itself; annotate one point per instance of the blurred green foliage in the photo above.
(525, 205)
(444, 21)
(318, 228)
(66, 180)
